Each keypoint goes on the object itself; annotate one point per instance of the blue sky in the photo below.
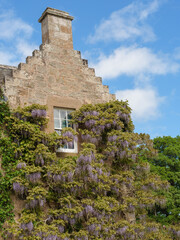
(133, 45)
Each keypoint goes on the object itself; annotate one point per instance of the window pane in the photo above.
(69, 115)
(62, 119)
(70, 145)
(63, 124)
(56, 113)
(65, 146)
(63, 114)
(56, 123)
(69, 124)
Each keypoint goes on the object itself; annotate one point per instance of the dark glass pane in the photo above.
(70, 124)
(69, 115)
(65, 146)
(63, 124)
(71, 146)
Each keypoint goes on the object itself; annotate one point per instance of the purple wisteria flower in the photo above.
(93, 140)
(123, 116)
(99, 170)
(39, 160)
(88, 210)
(110, 154)
(68, 134)
(95, 113)
(43, 113)
(61, 228)
(118, 113)
(72, 221)
(89, 169)
(114, 123)
(70, 176)
(115, 189)
(86, 137)
(38, 113)
(125, 143)
(141, 205)
(151, 229)
(35, 203)
(18, 188)
(112, 138)
(86, 113)
(91, 228)
(144, 187)
(131, 207)
(122, 154)
(133, 156)
(108, 125)
(29, 226)
(34, 177)
(79, 119)
(90, 123)
(21, 165)
(122, 230)
(119, 127)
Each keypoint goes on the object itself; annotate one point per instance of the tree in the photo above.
(103, 193)
(167, 165)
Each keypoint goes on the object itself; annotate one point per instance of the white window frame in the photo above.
(65, 150)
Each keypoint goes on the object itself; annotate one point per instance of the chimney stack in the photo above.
(56, 28)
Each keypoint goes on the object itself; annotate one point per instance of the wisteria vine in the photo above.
(104, 192)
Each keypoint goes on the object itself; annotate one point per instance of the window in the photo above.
(62, 119)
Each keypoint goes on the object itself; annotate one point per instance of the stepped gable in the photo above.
(55, 75)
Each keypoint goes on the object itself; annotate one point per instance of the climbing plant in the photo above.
(104, 192)
(6, 160)
(167, 165)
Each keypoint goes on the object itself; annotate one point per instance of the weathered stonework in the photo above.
(55, 75)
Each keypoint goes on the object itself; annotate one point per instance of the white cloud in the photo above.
(24, 48)
(7, 58)
(127, 23)
(144, 102)
(134, 61)
(11, 26)
(130, 25)
(15, 38)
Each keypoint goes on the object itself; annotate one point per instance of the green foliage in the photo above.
(5, 202)
(6, 161)
(167, 165)
(4, 108)
(103, 193)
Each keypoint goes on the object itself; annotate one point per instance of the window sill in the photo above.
(67, 150)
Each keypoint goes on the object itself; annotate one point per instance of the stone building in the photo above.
(55, 75)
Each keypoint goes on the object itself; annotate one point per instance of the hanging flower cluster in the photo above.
(103, 193)
(36, 198)
(38, 113)
(69, 136)
(21, 165)
(18, 188)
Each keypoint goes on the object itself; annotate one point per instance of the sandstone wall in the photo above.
(5, 71)
(55, 75)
